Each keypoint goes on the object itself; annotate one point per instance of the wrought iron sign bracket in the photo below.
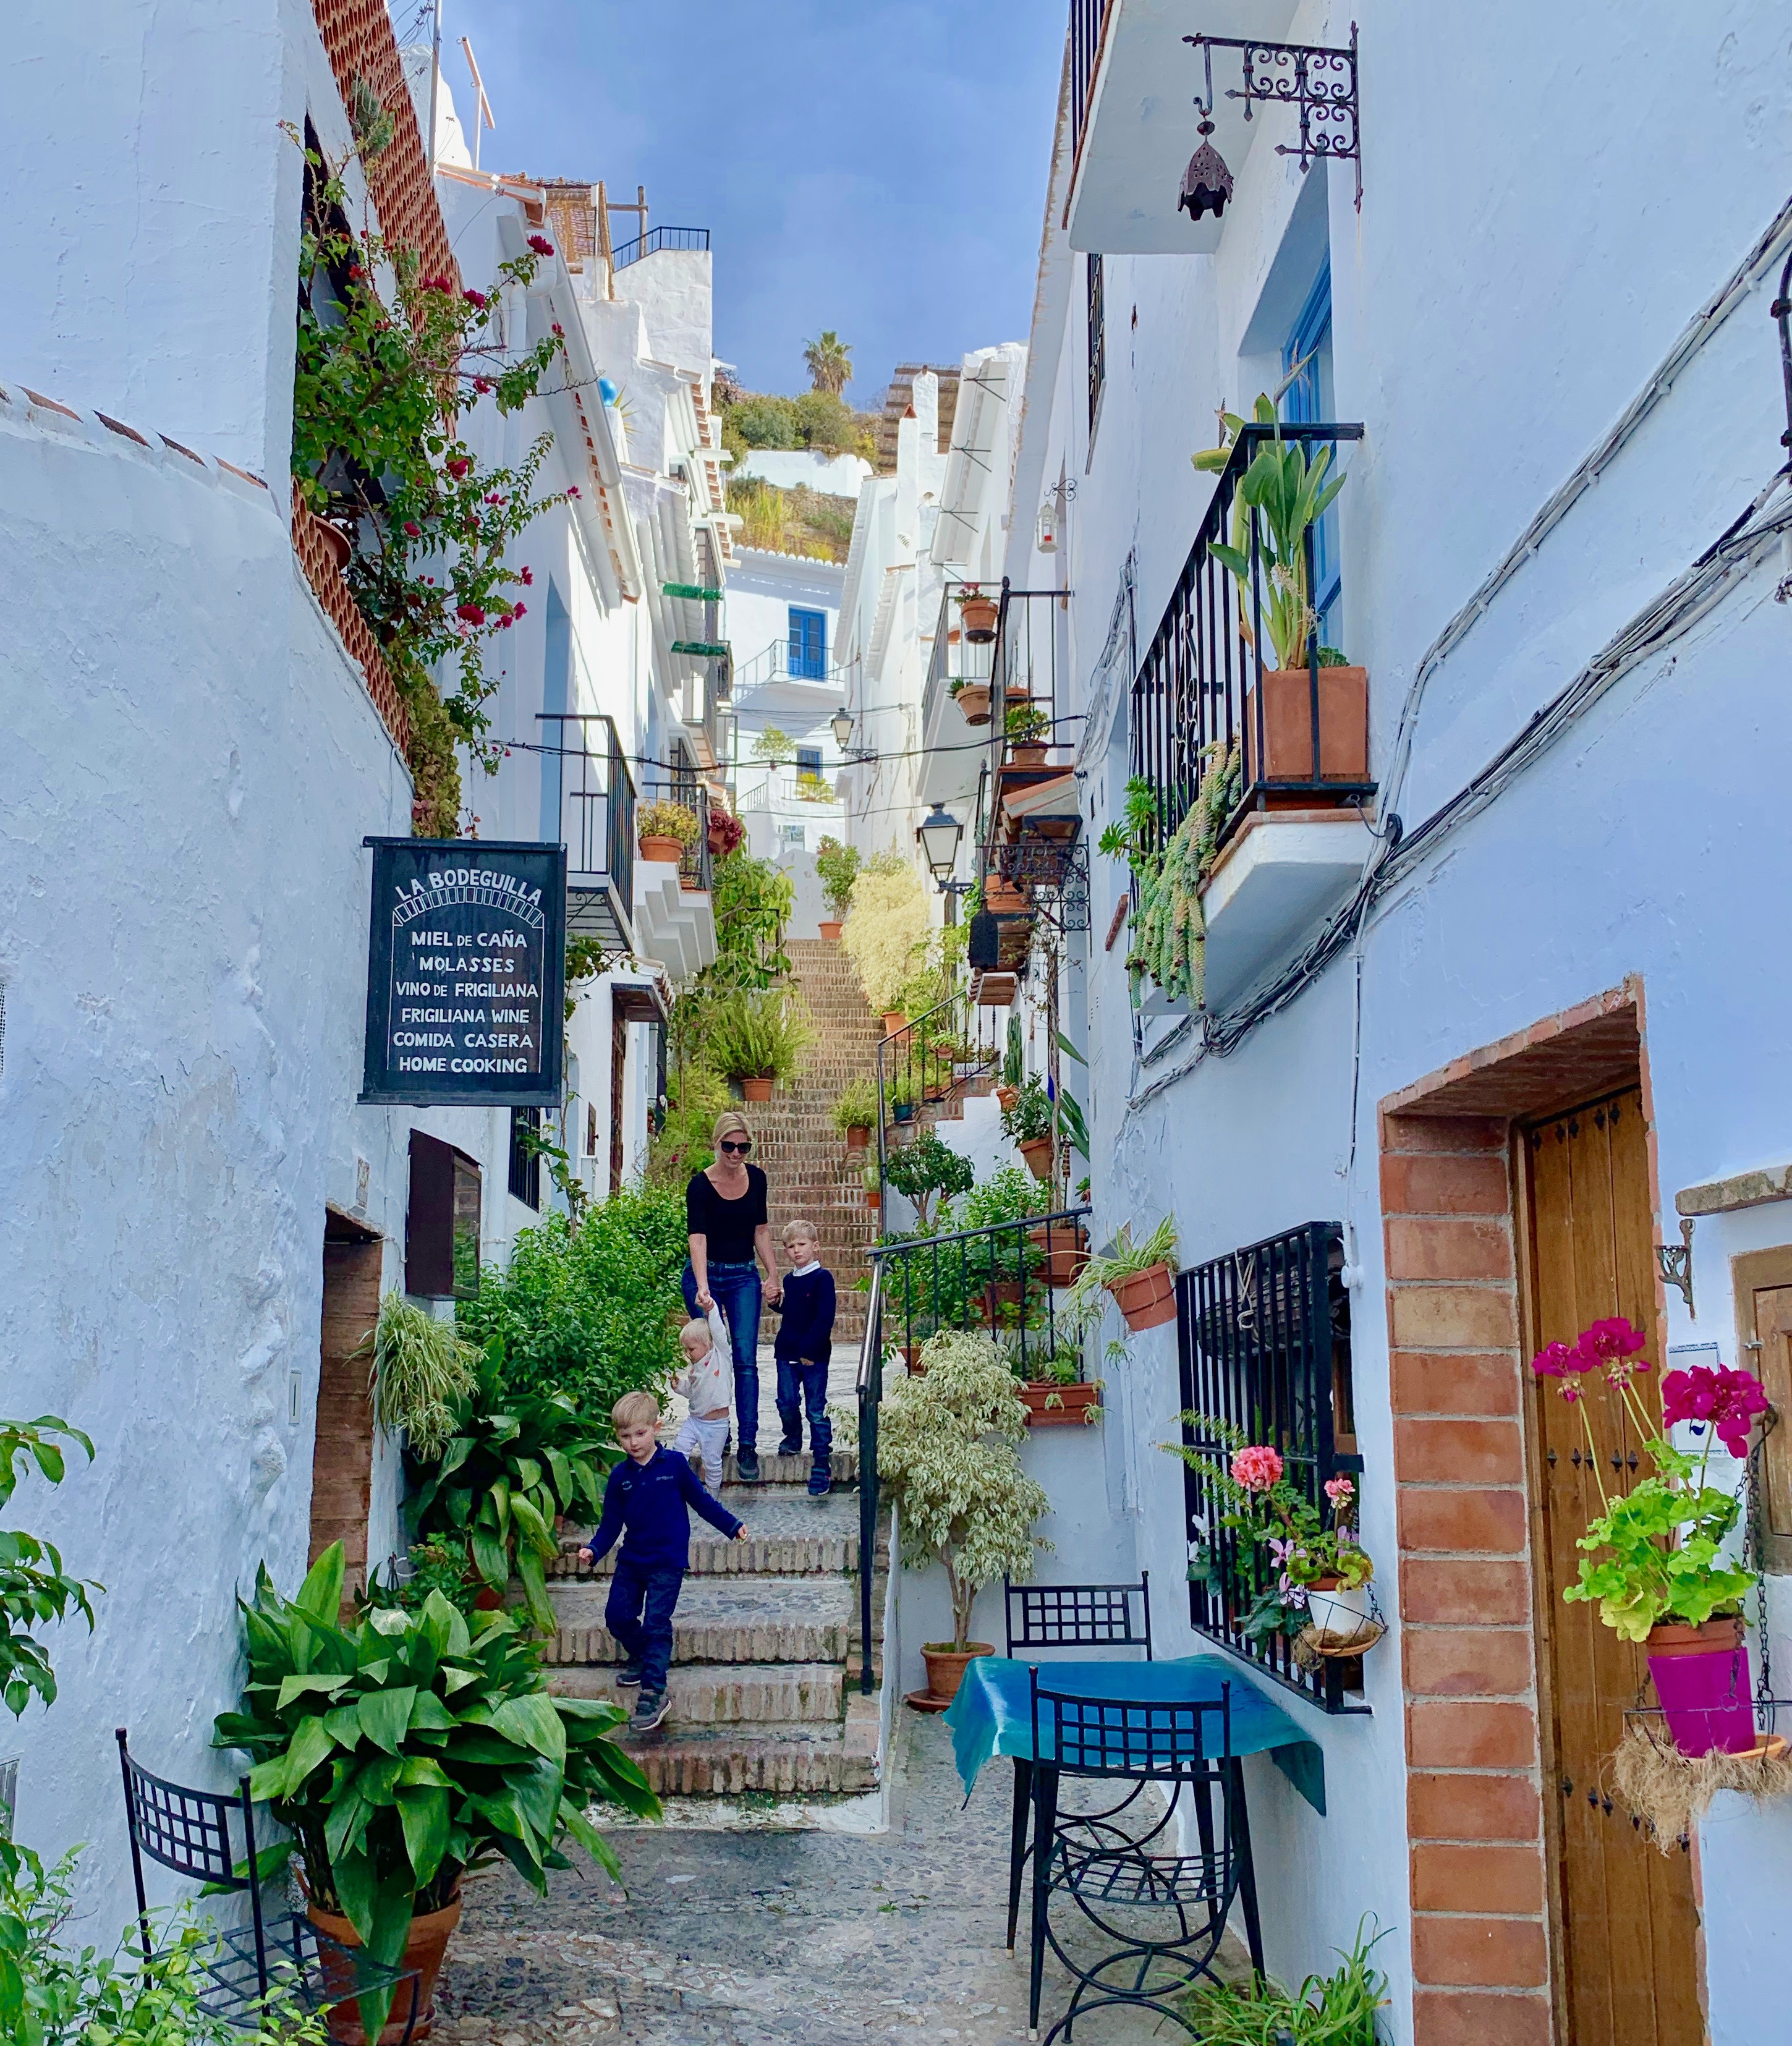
(1674, 1262)
(1319, 81)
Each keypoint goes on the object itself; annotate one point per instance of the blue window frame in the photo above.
(808, 761)
(809, 645)
(1307, 400)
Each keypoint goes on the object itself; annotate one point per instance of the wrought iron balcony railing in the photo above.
(587, 784)
(696, 864)
(656, 238)
(1209, 692)
(930, 1060)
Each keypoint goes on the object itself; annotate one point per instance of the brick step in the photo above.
(795, 1761)
(721, 1619)
(790, 1534)
(737, 1694)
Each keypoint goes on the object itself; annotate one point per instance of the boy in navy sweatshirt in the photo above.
(649, 1494)
(804, 1345)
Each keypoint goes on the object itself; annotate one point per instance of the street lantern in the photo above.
(840, 723)
(939, 834)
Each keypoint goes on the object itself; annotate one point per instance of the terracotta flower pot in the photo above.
(946, 1665)
(667, 852)
(1288, 726)
(423, 1949)
(977, 614)
(1701, 1675)
(974, 700)
(1063, 1267)
(1023, 753)
(1146, 1299)
(337, 543)
(894, 1020)
(829, 930)
(858, 1136)
(874, 1200)
(1006, 1097)
(1001, 898)
(1038, 1153)
(1052, 1406)
(759, 1087)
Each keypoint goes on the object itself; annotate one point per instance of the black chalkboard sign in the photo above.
(466, 967)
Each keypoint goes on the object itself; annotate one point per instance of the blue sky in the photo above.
(875, 167)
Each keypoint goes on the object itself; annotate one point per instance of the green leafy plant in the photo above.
(437, 1565)
(1013, 1056)
(923, 1171)
(1132, 836)
(837, 867)
(857, 1108)
(758, 1036)
(593, 1315)
(510, 1465)
(35, 1589)
(1168, 944)
(54, 1994)
(382, 389)
(667, 819)
(1030, 1114)
(421, 1369)
(886, 933)
(1012, 1195)
(682, 1144)
(775, 745)
(410, 1748)
(947, 1453)
(1024, 723)
(1287, 493)
(1337, 2009)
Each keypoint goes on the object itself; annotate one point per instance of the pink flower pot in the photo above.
(1701, 1675)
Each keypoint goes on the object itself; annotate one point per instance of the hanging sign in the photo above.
(465, 973)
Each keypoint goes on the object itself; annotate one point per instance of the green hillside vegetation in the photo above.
(797, 521)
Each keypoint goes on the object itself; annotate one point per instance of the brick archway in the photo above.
(1483, 1929)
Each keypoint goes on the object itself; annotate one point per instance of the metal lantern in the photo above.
(1207, 184)
(840, 724)
(940, 833)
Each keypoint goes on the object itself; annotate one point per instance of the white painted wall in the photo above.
(834, 475)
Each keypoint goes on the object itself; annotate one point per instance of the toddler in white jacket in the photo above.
(707, 1383)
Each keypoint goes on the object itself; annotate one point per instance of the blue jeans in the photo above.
(646, 1636)
(802, 1385)
(735, 1290)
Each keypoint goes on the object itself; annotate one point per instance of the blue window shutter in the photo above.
(808, 644)
(1307, 355)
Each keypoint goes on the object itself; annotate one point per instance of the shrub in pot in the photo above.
(925, 1170)
(947, 1453)
(1139, 1274)
(666, 831)
(408, 1749)
(837, 867)
(856, 1112)
(758, 1036)
(977, 614)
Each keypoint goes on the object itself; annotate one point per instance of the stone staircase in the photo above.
(765, 1689)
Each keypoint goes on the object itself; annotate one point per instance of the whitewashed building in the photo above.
(1489, 1046)
(197, 1217)
(783, 623)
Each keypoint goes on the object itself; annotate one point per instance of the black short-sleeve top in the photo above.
(726, 1225)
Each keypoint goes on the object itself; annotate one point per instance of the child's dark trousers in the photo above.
(641, 1600)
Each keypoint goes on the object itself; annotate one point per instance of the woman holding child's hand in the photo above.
(730, 1243)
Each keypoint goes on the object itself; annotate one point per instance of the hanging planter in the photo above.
(1701, 1676)
(1146, 1299)
(977, 613)
(1345, 1621)
(1050, 1405)
(973, 700)
(1038, 1153)
(1002, 898)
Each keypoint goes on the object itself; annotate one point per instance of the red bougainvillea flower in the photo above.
(541, 244)
(572, 490)
(474, 614)
(1726, 1400)
(474, 298)
(481, 385)
(494, 497)
(517, 610)
(1257, 1468)
(459, 466)
(414, 531)
(528, 575)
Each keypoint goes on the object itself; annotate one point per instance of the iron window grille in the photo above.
(1263, 1335)
(525, 1160)
(1098, 339)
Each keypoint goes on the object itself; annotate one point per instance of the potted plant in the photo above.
(510, 1464)
(947, 1453)
(925, 1170)
(837, 867)
(1026, 1122)
(727, 833)
(972, 698)
(1004, 898)
(874, 1194)
(402, 1753)
(1027, 729)
(977, 614)
(1656, 1563)
(855, 1112)
(1291, 1572)
(666, 830)
(1138, 1275)
(1059, 1399)
(1281, 495)
(757, 1039)
(1014, 1065)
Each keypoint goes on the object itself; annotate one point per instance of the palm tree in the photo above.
(830, 363)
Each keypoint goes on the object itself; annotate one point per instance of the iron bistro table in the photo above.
(993, 1715)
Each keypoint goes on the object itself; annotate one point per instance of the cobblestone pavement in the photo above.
(750, 1937)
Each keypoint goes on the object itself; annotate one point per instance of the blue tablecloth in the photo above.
(992, 1714)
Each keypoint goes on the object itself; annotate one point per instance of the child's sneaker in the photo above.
(649, 1709)
(628, 1677)
(746, 1463)
(787, 1448)
(820, 1481)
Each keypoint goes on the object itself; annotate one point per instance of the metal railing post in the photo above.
(871, 1397)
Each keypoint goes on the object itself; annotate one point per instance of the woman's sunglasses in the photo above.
(743, 1148)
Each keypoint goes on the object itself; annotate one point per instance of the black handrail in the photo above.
(917, 1068)
(655, 239)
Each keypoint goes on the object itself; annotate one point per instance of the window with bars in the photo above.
(1098, 339)
(525, 1160)
(1263, 1338)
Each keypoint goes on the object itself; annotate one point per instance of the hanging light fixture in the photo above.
(840, 724)
(940, 833)
(1207, 184)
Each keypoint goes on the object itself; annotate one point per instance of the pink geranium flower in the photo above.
(1609, 1342)
(1340, 1491)
(1257, 1468)
(1725, 1401)
(1556, 1360)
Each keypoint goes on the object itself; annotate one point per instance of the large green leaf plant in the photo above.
(411, 1748)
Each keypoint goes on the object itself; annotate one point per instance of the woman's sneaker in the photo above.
(820, 1481)
(649, 1709)
(628, 1677)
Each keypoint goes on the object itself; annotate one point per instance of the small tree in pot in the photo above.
(947, 1452)
(925, 1170)
(837, 867)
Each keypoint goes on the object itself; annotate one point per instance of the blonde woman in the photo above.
(731, 1242)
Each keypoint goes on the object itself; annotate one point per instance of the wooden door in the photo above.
(1626, 1964)
(342, 1454)
(618, 1066)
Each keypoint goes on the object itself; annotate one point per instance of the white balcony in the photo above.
(674, 924)
(1137, 129)
(1282, 873)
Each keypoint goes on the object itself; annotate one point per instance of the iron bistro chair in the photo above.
(1110, 1874)
(1066, 1616)
(189, 1832)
